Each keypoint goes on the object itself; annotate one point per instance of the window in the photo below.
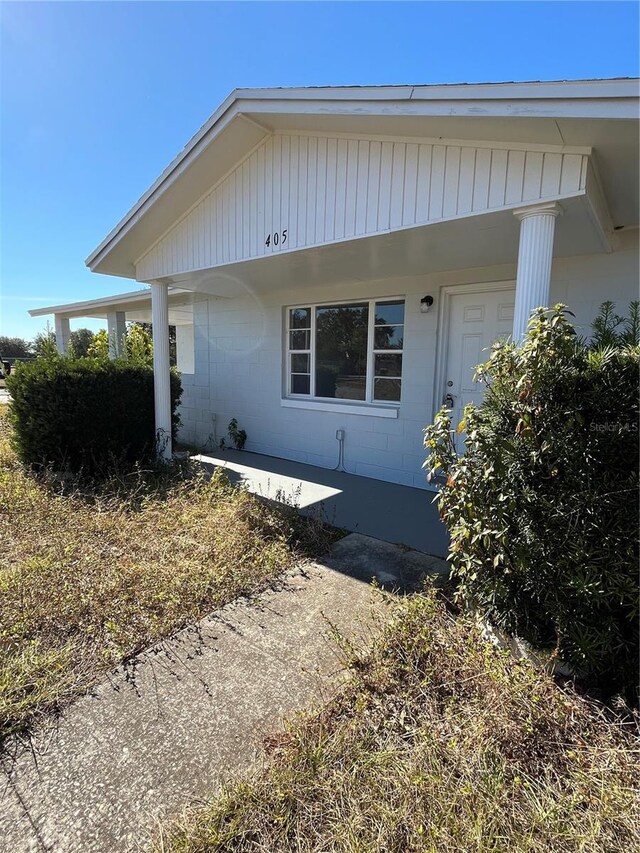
(347, 351)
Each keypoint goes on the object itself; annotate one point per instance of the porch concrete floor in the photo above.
(387, 511)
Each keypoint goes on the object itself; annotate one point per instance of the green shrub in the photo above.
(542, 507)
(84, 414)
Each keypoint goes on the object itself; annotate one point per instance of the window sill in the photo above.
(371, 410)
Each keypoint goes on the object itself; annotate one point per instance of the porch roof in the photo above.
(136, 305)
(565, 113)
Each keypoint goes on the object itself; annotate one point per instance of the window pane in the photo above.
(388, 365)
(300, 384)
(300, 318)
(300, 363)
(341, 351)
(299, 340)
(389, 313)
(386, 389)
(388, 337)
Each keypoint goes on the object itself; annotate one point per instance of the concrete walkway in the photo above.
(162, 732)
(388, 511)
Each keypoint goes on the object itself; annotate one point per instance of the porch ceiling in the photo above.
(476, 241)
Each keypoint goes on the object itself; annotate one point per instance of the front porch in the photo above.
(387, 511)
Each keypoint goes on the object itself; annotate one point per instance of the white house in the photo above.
(337, 260)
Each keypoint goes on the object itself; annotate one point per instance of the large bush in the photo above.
(85, 414)
(543, 505)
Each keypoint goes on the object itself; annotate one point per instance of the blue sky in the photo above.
(97, 98)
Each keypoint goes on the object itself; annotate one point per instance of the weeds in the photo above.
(440, 743)
(91, 576)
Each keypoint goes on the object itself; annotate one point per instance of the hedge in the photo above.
(84, 415)
(543, 505)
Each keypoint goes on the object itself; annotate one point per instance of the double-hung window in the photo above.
(347, 351)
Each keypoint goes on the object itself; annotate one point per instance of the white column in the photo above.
(62, 333)
(535, 254)
(160, 323)
(116, 330)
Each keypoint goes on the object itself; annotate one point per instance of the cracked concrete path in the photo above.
(193, 709)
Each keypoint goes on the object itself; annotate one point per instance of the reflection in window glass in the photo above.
(300, 318)
(387, 389)
(299, 340)
(300, 346)
(388, 365)
(341, 351)
(388, 337)
(389, 313)
(347, 352)
(300, 384)
(300, 362)
(388, 334)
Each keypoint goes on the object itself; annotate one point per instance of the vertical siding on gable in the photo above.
(410, 185)
(466, 180)
(384, 198)
(373, 188)
(331, 183)
(423, 183)
(322, 189)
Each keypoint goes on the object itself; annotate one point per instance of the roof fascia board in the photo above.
(595, 108)
(618, 87)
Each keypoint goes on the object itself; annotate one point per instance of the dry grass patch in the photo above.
(440, 743)
(88, 580)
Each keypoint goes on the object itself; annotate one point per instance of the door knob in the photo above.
(448, 401)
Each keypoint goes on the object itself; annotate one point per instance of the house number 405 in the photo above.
(279, 238)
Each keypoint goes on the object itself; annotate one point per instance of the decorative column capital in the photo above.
(551, 208)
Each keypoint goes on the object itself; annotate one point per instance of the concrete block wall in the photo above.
(239, 370)
(585, 282)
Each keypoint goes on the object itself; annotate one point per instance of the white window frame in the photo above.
(371, 354)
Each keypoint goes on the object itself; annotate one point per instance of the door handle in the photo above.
(449, 401)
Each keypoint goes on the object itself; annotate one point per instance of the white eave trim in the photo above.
(620, 87)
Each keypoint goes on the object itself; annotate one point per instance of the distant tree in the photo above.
(172, 340)
(99, 346)
(14, 347)
(138, 344)
(44, 343)
(79, 342)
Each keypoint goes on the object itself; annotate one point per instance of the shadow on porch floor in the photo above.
(386, 511)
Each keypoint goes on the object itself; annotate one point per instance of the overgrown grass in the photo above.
(439, 743)
(89, 579)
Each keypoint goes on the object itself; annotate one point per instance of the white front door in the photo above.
(476, 320)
